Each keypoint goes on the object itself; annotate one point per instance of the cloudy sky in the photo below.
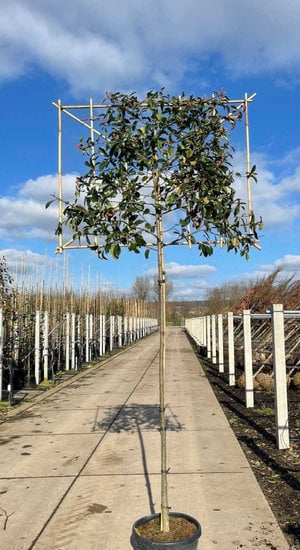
(78, 50)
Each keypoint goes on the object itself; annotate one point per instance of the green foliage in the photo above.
(265, 411)
(165, 157)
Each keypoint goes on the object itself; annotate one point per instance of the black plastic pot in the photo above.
(140, 543)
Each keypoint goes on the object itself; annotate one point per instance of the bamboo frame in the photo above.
(67, 110)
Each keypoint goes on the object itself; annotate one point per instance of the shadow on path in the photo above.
(139, 418)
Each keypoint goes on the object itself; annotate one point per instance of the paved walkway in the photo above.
(78, 467)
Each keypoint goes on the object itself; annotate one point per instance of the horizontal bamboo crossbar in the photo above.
(143, 104)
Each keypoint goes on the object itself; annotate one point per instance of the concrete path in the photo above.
(82, 464)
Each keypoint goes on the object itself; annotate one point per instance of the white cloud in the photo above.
(45, 187)
(185, 289)
(27, 267)
(176, 270)
(273, 199)
(292, 183)
(188, 290)
(14, 257)
(189, 280)
(24, 216)
(289, 263)
(95, 45)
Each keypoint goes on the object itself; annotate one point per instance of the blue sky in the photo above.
(76, 50)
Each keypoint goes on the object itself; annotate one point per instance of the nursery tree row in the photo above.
(44, 332)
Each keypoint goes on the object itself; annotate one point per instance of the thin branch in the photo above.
(7, 516)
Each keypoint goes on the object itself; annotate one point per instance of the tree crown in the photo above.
(168, 157)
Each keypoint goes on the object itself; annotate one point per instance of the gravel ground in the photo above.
(277, 471)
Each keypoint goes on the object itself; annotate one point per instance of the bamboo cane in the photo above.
(164, 518)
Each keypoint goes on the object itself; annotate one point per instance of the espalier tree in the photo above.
(158, 174)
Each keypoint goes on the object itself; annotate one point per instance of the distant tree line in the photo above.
(257, 295)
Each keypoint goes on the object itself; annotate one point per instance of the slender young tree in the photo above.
(160, 174)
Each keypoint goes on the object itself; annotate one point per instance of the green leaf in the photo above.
(115, 251)
(58, 230)
(182, 141)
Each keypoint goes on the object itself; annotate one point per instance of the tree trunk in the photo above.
(162, 365)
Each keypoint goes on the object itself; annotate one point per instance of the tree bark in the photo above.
(162, 363)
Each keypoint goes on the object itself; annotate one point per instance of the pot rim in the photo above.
(188, 540)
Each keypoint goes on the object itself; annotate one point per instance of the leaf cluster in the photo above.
(167, 158)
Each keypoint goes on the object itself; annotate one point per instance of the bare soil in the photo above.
(277, 471)
(180, 529)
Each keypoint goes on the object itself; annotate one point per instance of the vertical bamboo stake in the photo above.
(59, 169)
(248, 165)
(93, 147)
(164, 518)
